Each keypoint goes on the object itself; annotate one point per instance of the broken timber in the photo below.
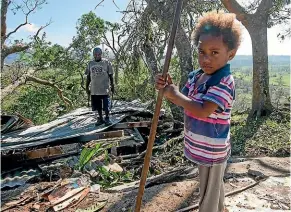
(124, 125)
(44, 153)
(101, 135)
(177, 174)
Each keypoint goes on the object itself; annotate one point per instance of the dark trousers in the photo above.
(99, 102)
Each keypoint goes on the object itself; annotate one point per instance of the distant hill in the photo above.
(11, 58)
(237, 62)
(247, 60)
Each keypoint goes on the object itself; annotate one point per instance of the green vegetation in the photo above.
(58, 74)
(268, 136)
(106, 178)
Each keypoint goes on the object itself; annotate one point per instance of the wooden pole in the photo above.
(157, 109)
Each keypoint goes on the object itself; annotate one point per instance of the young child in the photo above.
(207, 99)
(99, 74)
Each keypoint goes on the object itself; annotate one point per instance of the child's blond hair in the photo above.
(219, 24)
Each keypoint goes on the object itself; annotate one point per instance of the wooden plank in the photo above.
(109, 140)
(125, 125)
(70, 198)
(101, 135)
(44, 153)
(54, 200)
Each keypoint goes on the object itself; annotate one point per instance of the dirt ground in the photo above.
(271, 194)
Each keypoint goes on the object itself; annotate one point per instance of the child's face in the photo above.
(213, 53)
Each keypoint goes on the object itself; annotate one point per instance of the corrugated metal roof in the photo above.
(78, 123)
(18, 177)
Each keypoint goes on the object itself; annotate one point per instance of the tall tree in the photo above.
(256, 18)
(42, 56)
(9, 47)
(27, 7)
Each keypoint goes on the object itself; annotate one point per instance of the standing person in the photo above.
(99, 74)
(207, 99)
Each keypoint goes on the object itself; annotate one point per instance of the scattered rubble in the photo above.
(71, 165)
(15, 122)
(72, 147)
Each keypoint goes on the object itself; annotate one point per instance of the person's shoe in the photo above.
(99, 122)
(107, 121)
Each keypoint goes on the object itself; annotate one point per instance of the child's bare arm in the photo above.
(197, 109)
(173, 94)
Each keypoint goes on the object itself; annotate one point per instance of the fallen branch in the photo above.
(163, 146)
(28, 77)
(196, 206)
(45, 82)
(139, 158)
(10, 88)
(174, 175)
(178, 174)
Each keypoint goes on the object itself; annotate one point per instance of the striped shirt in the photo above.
(207, 140)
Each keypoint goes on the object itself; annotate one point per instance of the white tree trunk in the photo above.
(261, 101)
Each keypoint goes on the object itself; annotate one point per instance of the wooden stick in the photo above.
(157, 109)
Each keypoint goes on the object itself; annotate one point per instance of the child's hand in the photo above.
(170, 90)
(160, 83)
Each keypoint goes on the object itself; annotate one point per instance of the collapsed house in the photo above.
(54, 149)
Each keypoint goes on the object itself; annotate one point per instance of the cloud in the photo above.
(30, 28)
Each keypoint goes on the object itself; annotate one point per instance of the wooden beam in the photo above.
(101, 135)
(125, 125)
(108, 141)
(44, 153)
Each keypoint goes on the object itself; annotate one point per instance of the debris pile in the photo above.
(62, 162)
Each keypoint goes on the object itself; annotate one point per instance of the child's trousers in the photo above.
(211, 188)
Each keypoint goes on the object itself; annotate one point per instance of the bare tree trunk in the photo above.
(261, 101)
(182, 42)
(165, 12)
(151, 60)
(256, 25)
(15, 48)
(184, 50)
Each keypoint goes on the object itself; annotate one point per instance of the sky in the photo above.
(65, 13)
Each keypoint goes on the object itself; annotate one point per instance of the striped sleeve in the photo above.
(221, 94)
(185, 89)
